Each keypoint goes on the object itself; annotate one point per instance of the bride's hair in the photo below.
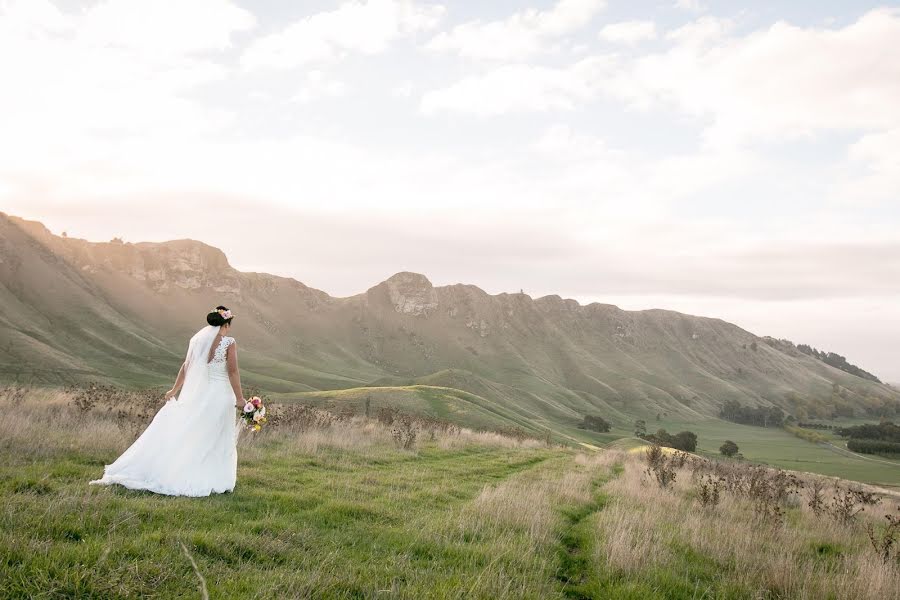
(220, 316)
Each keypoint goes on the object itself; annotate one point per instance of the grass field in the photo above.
(338, 511)
(763, 445)
(781, 449)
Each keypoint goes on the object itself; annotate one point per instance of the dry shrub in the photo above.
(816, 497)
(710, 489)
(661, 467)
(103, 420)
(848, 502)
(404, 432)
(806, 557)
(885, 542)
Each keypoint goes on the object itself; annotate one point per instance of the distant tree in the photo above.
(885, 431)
(761, 416)
(753, 346)
(684, 440)
(595, 423)
(640, 428)
(729, 448)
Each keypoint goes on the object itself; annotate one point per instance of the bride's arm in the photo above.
(234, 376)
(179, 381)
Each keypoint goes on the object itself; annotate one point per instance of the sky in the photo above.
(733, 160)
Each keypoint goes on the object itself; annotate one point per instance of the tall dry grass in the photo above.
(806, 556)
(530, 502)
(45, 422)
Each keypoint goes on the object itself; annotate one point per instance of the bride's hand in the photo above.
(240, 402)
(170, 394)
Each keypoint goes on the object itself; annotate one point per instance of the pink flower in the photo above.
(256, 401)
(249, 408)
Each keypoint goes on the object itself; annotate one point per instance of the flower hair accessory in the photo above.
(226, 314)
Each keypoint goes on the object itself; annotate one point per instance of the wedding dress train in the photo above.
(189, 448)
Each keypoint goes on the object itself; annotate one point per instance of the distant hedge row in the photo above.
(873, 446)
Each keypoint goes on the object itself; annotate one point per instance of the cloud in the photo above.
(784, 82)
(357, 26)
(318, 86)
(515, 88)
(629, 32)
(165, 26)
(404, 89)
(116, 68)
(520, 35)
(690, 5)
(873, 173)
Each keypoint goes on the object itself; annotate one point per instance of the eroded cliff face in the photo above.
(163, 266)
(410, 294)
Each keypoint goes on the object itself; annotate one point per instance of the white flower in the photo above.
(257, 416)
(262, 411)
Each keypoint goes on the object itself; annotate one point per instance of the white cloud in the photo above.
(702, 32)
(403, 89)
(317, 86)
(165, 26)
(781, 82)
(516, 88)
(361, 26)
(519, 36)
(629, 32)
(875, 164)
(690, 5)
(115, 68)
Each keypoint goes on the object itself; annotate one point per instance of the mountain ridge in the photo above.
(130, 308)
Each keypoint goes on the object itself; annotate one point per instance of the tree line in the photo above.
(761, 416)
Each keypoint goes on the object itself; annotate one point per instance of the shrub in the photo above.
(663, 471)
(729, 448)
(684, 440)
(816, 500)
(709, 492)
(595, 423)
(873, 446)
(404, 432)
(640, 428)
(885, 542)
(653, 454)
(849, 502)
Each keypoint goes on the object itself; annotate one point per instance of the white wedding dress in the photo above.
(189, 449)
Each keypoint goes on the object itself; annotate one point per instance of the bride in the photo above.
(189, 449)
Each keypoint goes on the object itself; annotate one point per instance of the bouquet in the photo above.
(254, 414)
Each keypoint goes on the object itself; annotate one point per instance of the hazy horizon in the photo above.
(700, 156)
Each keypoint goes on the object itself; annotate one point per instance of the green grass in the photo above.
(342, 524)
(473, 521)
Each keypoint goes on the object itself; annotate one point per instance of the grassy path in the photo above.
(577, 541)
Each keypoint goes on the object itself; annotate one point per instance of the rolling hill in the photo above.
(74, 310)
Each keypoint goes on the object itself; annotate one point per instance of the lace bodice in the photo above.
(217, 368)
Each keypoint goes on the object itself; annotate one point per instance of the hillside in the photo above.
(75, 310)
